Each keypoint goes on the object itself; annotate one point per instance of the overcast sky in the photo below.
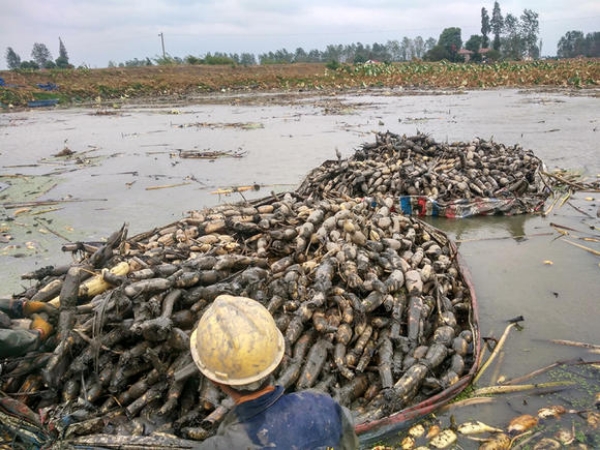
(98, 31)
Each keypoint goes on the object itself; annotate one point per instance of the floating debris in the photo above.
(234, 189)
(211, 154)
(241, 125)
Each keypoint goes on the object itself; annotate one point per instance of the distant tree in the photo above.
(379, 53)
(485, 28)
(29, 65)
(356, 52)
(429, 44)
(592, 44)
(300, 55)
(497, 25)
(167, 60)
(315, 55)
(405, 45)
(137, 63)
(450, 40)
(13, 61)
(530, 29)
(419, 47)
(437, 53)
(360, 58)
(282, 56)
(40, 54)
(333, 53)
(62, 62)
(265, 58)
(492, 55)
(193, 60)
(392, 48)
(572, 44)
(218, 59)
(512, 44)
(361, 53)
(474, 43)
(247, 59)
(347, 53)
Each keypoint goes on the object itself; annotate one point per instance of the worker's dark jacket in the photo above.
(300, 420)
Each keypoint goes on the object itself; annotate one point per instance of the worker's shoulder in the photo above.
(310, 396)
(311, 393)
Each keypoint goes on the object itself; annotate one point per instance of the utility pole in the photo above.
(162, 41)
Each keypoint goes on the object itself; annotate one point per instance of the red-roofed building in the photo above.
(466, 54)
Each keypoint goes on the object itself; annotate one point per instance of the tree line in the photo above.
(503, 37)
(574, 44)
(41, 58)
(404, 50)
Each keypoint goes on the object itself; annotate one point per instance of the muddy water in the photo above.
(127, 168)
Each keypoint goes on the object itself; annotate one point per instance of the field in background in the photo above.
(181, 81)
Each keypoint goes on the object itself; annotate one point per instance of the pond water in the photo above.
(127, 168)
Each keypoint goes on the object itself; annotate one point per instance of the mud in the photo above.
(126, 166)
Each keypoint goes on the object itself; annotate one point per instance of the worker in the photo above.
(238, 346)
(17, 342)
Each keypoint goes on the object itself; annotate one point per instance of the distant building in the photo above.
(466, 54)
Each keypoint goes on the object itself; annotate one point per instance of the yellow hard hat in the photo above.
(236, 341)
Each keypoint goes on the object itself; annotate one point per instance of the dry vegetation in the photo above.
(182, 81)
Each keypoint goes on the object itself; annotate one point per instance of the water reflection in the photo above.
(506, 254)
(481, 228)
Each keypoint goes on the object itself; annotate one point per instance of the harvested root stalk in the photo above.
(96, 285)
(369, 308)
